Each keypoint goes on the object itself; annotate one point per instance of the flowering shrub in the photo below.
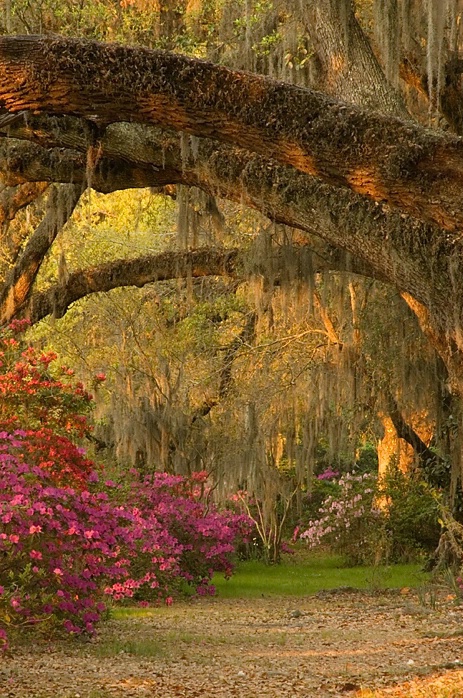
(64, 461)
(64, 550)
(396, 517)
(33, 398)
(206, 537)
(51, 410)
(346, 521)
(56, 544)
(328, 474)
(69, 543)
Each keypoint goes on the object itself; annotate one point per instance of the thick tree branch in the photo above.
(246, 336)
(130, 272)
(13, 199)
(418, 171)
(165, 266)
(428, 458)
(392, 247)
(396, 248)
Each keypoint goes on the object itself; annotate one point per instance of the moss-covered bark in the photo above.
(417, 171)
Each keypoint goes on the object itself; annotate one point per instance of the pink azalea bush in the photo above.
(347, 520)
(71, 542)
(64, 552)
(207, 537)
(56, 544)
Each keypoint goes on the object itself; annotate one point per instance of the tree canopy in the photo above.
(351, 137)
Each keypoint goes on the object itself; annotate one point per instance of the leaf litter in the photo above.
(343, 643)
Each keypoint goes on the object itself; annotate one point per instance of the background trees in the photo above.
(264, 349)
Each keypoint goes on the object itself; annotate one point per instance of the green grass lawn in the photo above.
(300, 577)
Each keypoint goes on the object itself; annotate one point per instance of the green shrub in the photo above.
(412, 521)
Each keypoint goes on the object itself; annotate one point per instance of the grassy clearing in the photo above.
(314, 573)
(122, 612)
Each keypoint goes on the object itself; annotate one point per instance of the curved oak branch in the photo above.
(415, 170)
(165, 266)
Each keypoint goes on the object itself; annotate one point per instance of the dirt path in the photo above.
(333, 644)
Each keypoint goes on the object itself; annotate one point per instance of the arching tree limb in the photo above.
(205, 261)
(396, 248)
(415, 170)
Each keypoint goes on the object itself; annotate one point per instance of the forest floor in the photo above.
(338, 643)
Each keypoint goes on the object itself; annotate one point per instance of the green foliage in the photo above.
(412, 507)
(366, 456)
(267, 44)
(188, 27)
(124, 224)
(367, 459)
(320, 491)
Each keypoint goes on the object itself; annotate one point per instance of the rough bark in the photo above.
(396, 249)
(13, 199)
(415, 170)
(349, 68)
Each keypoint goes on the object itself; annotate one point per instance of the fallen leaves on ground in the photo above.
(341, 643)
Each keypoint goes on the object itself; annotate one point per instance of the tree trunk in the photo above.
(62, 200)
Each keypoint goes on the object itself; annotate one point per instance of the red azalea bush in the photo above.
(51, 408)
(64, 461)
(33, 396)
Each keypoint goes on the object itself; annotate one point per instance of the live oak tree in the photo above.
(356, 165)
